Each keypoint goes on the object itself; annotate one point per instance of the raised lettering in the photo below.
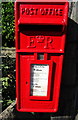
(31, 11)
(31, 43)
(23, 10)
(36, 11)
(40, 39)
(48, 42)
(60, 12)
(42, 11)
(27, 11)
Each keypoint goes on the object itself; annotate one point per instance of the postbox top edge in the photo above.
(41, 0)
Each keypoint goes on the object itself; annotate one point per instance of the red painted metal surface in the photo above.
(40, 28)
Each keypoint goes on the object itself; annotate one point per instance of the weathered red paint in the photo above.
(40, 27)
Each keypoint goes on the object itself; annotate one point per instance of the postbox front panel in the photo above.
(48, 38)
(41, 26)
(38, 90)
(27, 10)
(47, 13)
(40, 41)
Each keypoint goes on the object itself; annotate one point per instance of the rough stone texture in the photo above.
(8, 52)
(7, 114)
(76, 118)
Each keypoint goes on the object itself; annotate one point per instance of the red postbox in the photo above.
(40, 30)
